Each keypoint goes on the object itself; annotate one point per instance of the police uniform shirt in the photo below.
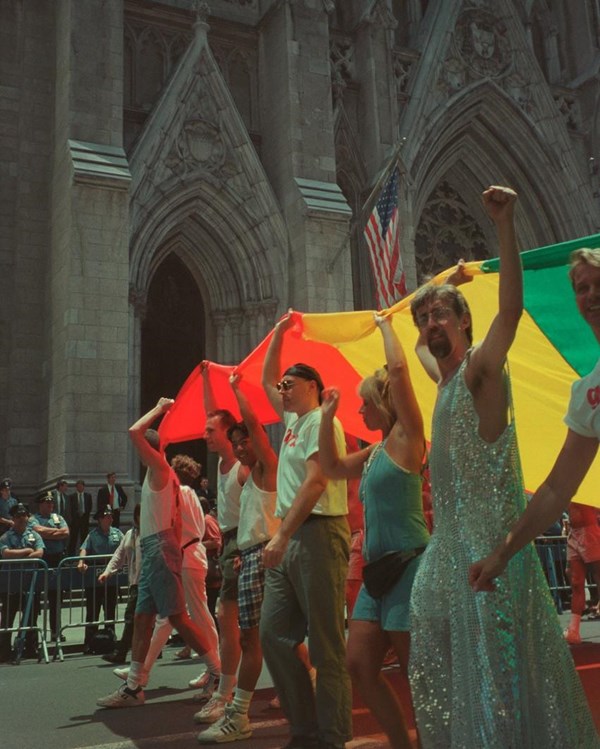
(53, 546)
(5, 505)
(101, 543)
(29, 539)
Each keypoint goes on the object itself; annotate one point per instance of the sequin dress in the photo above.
(487, 670)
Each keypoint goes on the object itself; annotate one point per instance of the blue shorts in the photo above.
(392, 609)
(160, 589)
(251, 586)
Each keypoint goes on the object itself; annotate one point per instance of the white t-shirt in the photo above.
(257, 515)
(157, 511)
(583, 416)
(228, 498)
(192, 526)
(300, 442)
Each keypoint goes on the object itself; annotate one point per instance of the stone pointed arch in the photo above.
(199, 189)
(485, 137)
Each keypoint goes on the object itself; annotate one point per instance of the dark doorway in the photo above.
(173, 336)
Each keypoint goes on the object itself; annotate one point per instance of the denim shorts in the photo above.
(160, 589)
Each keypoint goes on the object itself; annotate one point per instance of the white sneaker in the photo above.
(123, 697)
(207, 683)
(572, 637)
(123, 673)
(233, 726)
(212, 711)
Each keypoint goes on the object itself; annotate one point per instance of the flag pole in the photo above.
(392, 162)
(374, 192)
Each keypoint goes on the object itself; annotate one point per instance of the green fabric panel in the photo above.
(544, 257)
(549, 299)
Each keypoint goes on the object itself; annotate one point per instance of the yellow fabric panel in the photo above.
(541, 379)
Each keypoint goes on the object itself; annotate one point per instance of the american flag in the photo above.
(382, 233)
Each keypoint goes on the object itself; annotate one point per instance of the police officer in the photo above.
(19, 542)
(54, 531)
(104, 539)
(7, 501)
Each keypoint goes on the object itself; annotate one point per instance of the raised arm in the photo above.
(260, 441)
(210, 401)
(409, 440)
(332, 465)
(272, 364)
(547, 504)
(489, 357)
(152, 458)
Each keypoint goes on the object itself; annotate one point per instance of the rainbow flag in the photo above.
(553, 348)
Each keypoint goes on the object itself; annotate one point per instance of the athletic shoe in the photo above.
(212, 711)
(572, 637)
(207, 683)
(123, 697)
(233, 726)
(123, 673)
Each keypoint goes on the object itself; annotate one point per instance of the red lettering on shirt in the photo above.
(290, 438)
(593, 396)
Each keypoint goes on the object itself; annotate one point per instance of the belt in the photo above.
(229, 534)
(315, 516)
(189, 543)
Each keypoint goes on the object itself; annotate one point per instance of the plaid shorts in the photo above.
(251, 586)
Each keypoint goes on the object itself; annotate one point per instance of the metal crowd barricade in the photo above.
(82, 594)
(552, 551)
(24, 604)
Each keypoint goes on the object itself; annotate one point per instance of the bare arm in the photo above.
(22, 553)
(115, 563)
(549, 501)
(272, 364)
(260, 442)
(334, 467)
(489, 357)
(153, 459)
(55, 534)
(306, 498)
(210, 402)
(406, 443)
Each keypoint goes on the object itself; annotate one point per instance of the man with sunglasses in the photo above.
(307, 562)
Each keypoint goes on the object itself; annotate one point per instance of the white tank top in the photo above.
(257, 515)
(157, 511)
(228, 498)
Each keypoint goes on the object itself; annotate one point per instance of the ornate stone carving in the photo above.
(380, 14)
(341, 55)
(446, 232)
(519, 90)
(200, 144)
(481, 41)
(202, 11)
(568, 106)
(402, 65)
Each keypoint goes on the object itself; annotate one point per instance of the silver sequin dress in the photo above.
(487, 670)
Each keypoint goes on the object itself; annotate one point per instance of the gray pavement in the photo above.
(53, 706)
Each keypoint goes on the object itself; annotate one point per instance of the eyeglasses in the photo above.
(285, 385)
(437, 314)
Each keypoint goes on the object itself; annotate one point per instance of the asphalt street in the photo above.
(53, 705)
